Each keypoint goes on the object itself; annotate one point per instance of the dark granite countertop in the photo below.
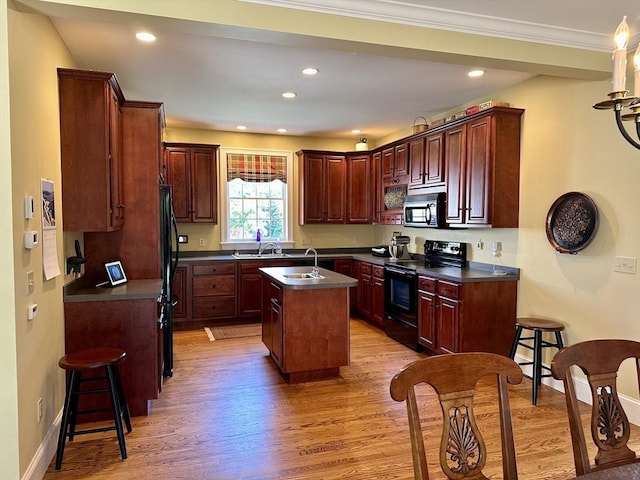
(79, 291)
(327, 279)
(473, 272)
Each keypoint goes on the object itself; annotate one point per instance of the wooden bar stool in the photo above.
(538, 326)
(77, 363)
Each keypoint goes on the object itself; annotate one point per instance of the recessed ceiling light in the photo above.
(282, 130)
(310, 71)
(289, 95)
(241, 127)
(355, 132)
(476, 73)
(146, 37)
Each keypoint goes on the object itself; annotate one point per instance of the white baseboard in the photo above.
(45, 453)
(630, 405)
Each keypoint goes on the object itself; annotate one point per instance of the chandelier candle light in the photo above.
(618, 98)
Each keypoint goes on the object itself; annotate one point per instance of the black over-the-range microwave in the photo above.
(426, 210)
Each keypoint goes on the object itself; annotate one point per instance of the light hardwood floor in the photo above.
(227, 414)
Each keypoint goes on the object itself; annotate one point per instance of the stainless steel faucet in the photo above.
(315, 270)
(262, 247)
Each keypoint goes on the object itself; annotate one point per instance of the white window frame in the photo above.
(227, 244)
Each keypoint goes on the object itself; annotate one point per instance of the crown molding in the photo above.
(397, 11)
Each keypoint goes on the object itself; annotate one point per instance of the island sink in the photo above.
(303, 276)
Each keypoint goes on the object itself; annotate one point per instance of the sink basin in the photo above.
(261, 255)
(302, 276)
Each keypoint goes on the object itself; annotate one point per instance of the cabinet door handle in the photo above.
(213, 286)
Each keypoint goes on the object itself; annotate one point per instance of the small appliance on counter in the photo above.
(380, 251)
(399, 249)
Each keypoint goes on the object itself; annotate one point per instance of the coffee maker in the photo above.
(399, 248)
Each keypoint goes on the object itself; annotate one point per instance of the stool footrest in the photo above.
(90, 430)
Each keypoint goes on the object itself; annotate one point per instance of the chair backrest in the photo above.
(610, 428)
(454, 378)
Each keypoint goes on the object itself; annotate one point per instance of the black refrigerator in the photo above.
(168, 264)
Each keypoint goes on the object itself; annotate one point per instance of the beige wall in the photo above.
(35, 50)
(9, 427)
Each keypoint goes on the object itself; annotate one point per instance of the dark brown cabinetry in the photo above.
(427, 162)
(91, 151)
(345, 267)
(129, 324)
(272, 325)
(191, 170)
(359, 180)
(463, 317)
(213, 289)
(395, 164)
(249, 285)
(377, 295)
(370, 292)
(482, 170)
(323, 187)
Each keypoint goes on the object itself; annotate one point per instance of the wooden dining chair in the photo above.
(610, 427)
(454, 378)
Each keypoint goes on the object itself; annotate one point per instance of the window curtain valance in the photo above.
(256, 168)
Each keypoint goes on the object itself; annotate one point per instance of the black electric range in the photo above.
(401, 287)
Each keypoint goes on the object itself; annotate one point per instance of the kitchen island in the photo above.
(305, 321)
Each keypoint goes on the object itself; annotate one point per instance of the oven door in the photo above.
(401, 306)
(400, 293)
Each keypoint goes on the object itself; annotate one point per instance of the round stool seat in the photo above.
(91, 358)
(537, 327)
(539, 324)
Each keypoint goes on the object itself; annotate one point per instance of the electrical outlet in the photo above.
(39, 408)
(496, 248)
(201, 241)
(625, 265)
(479, 244)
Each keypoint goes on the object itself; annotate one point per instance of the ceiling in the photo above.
(219, 78)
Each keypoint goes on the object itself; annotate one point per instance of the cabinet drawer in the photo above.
(427, 284)
(447, 289)
(365, 268)
(208, 307)
(275, 292)
(215, 268)
(378, 271)
(206, 285)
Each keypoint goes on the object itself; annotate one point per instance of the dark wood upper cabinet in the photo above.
(359, 180)
(91, 151)
(191, 171)
(482, 170)
(323, 187)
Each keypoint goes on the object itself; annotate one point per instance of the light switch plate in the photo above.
(625, 265)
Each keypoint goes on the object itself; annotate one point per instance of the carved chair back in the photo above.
(610, 427)
(454, 378)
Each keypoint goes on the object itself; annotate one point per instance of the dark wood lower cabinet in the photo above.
(128, 324)
(249, 285)
(465, 317)
(370, 298)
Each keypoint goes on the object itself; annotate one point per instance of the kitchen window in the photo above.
(257, 197)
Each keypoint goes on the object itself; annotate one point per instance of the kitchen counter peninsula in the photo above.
(125, 316)
(305, 321)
